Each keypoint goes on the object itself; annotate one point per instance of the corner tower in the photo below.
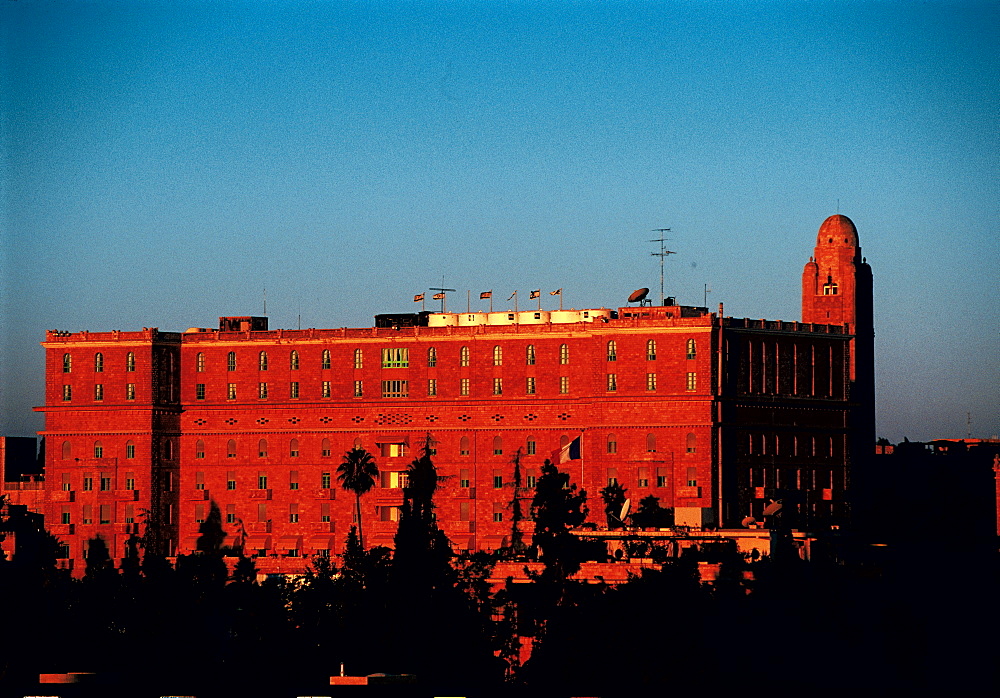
(837, 289)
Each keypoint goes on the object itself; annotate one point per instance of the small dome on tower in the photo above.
(838, 230)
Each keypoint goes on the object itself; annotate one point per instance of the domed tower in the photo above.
(837, 289)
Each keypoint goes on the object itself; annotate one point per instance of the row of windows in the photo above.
(67, 362)
(399, 357)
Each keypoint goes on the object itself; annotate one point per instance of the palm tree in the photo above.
(358, 474)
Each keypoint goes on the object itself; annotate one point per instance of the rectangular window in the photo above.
(531, 480)
(65, 517)
(130, 391)
(395, 388)
(464, 511)
(432, 387)
(199, 480)
(359, 389)
(293, 513)
(612, 382)
(262, 391)
(324, 512)
(650, 381)
(394, 480)
(129, 481)
(67, 393)
(612, 476)
(498, 386)
(129, 513)
(463, 386)
(105, 514)
(231, 480)
(261, 481)
(293, 390)
(293, 480)
(397, 450)
(643, 477)
(199, 513)
(692, 477)
(661, 477)
(529, 386)
(261, 512)
(324, 481)
(88, 482)
(88, 513)
(395, 358)
(497, 512)
(463, 478)
(531, 447)
(99, 392)
(564, 385)
(66, 484)
(130, 450)
(692, 380)
(231, 391)
(230, 513)
(325, 389)
(105, 483)
(497, 480)
(199, 391)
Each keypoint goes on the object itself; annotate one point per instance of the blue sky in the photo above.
(164, 162)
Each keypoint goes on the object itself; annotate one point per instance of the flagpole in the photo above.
(468, 301)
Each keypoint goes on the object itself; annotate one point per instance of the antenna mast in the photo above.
(662, 254)
(440, 295)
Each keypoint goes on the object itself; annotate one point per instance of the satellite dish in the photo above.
(625, 509)
(772, 508)
(638, 295)
(748, 522)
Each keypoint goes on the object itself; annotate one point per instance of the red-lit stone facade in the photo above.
(709, 414)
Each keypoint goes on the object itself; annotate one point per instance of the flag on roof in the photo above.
(512, 295)
(557, 292)
(417, 298)
(485, 294)
(438, 296)
(535, 294)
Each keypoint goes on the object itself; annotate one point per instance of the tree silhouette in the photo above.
(614, 498)
(358, 474)
(556, 507)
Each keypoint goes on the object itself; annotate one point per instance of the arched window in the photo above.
(293, 448)
(612, 443)
(130, 362)
(67, 363)
(563, 440)
(326, 359)
(325, 448)
(497, 446)
(67, 450)
(564, 353)
(612, 350)
(199, 449)
(98, 362)
(98, 450)
(262, 361)
(692, 350)
(432, 357)
(357, 442)
(531, 446)
(463, 446)
(231, 448)
(359, 359)
(200, 362)
(262, 448)
(498, 355)
(651, 350)
(529, 355)
(463, 356)
(651, 443)
(692, 443)
(231, 361)
(293, 360)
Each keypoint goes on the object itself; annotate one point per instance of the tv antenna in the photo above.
(440, 295)
(662, 254)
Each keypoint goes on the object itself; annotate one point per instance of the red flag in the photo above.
(485, 294)
(417, 298)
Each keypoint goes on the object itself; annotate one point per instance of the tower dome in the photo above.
(837, 230)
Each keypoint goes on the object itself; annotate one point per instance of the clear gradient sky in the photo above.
(164, 162)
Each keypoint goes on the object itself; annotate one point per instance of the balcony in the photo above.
(328, 493)
(466, 493)
(127, 495)
(458, 527)
(322, 527)
(259, 526)
(389, 497)
(65, 564)
(200, 495)
(62, 529)
(257, 494)
(62, 496)
(689, 492)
